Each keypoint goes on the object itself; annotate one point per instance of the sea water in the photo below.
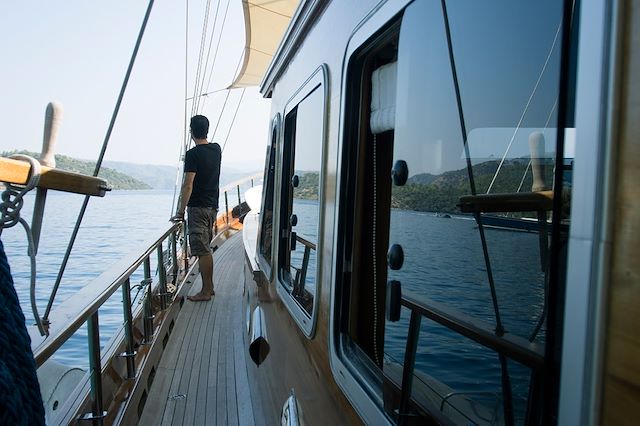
(123, 221)
(113, 226)
(444, 263)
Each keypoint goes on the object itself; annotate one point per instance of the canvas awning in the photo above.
(265, 24)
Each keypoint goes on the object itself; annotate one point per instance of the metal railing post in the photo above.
(409, 364)
(148, 306)
(128, 330)
(163, 279)
(185, 247)
(303, 269)
(239, 200)
(226, 206)
(97, 414)
(252, 182)
(174, 255)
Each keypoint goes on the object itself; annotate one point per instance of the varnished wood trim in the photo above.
(621, 392)
(516, 202)
(17, 172)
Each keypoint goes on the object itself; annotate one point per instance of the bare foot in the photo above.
(199, 297)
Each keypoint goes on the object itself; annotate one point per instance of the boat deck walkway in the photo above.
(202, 376)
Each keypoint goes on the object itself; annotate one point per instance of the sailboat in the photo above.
(343, 300)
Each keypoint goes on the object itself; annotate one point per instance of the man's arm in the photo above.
(185, 193)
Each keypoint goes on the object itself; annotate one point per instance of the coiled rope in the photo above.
(21, 401)
(12, 202)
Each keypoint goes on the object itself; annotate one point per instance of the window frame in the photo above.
(347, 366)
(318, 80)
(272, 154)
(349, 369)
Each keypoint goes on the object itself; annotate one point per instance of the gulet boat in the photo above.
(341, 297)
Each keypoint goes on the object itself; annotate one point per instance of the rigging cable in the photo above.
(220, 115)
(203, 37)
(526, 108)
(100, 158)
(225, 99)
(233, 120)
(215, 55)
(206, 62)
(200, 84)
(506, 382)
(183, 148)
(547, 275)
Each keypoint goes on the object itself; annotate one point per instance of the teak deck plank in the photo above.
(193, 373)
(157, 405)
(212, 374)
(203, 370)
(202, 377)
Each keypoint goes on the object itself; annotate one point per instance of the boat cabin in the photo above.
(437, 210)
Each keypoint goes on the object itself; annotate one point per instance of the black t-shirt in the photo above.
(204, 160)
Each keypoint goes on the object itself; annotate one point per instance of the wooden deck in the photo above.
(202, 377)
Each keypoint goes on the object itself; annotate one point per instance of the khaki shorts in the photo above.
(200, 222)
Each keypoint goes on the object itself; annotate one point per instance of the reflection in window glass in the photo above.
(303, 146)
(266, 227)
(507, 58)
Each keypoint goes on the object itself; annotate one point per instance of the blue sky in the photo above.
(77, 52)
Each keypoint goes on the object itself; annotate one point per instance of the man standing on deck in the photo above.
(200, 191)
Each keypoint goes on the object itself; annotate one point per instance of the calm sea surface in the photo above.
(443, 263)
(113, 226)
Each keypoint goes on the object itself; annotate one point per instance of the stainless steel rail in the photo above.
(83, 306)
(70, 315)
(301, 274)
(514, 347)
(504, 344)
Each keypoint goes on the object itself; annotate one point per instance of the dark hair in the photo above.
(199, 126)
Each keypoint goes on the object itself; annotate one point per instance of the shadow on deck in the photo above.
(202, 376)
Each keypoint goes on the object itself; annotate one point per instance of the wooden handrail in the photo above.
(511, 202)
(17, 172)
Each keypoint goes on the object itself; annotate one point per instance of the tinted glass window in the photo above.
(487, 261)
(266, 228)
(463, 228)
(301, 182)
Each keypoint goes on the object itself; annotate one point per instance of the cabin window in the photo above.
(459, 241)
(266, 221)
(300, 202)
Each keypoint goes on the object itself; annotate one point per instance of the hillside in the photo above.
(125, 175)
(156, 176)
(164, 177)
(117, 180)
(440, 193)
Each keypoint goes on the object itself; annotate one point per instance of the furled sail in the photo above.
(265, 23)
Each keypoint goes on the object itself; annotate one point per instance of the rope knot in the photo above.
(13, 196)
(12, 202)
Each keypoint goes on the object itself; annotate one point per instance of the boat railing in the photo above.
(300, 277)
(234, 189)
(506, 344)
(83, 308)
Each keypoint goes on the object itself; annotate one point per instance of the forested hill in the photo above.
(116, 179)
(125, 175)
(441, 193)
